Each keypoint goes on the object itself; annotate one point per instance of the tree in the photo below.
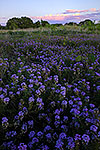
(21, 23)
(37, 24)
(57, 24)
(13, 23)
(44, 23)
(86, 22)
(98, 25)
(25, 22)
(71, 23)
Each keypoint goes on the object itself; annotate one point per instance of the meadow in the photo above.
(49, 90)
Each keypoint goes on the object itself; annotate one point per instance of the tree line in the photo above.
(25, 22)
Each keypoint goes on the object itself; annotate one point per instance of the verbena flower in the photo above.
(5, 122)
(35, 140)
(62, 136)
(30, 123)
(31, 99)
(59, 144)
(6, 100)
(93, 128)
(77, 137)
(86, 138)
(31, 134)
(22, 146)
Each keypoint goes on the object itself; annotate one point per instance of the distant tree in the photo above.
(12, 23)
(72, 23)
(57, 24)
(25, 22)
(86, 22)
(37, 24)
(44, 23)
(2, 27)
(21, 23)
(87, 25)
(98, 25)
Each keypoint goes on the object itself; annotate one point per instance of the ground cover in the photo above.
(49, 91)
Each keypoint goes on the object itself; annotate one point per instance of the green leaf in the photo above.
(91, 57)
(78, 58)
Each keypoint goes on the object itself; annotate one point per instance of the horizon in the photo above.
(61, 11)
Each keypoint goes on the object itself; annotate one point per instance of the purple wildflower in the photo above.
(22, 146)
(6, 100)
(77, 137)
(59, 144)
(31, 134)
(86, 138)
(93, 128)
(35, 140)
(62, 136)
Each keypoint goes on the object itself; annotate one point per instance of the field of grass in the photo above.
(49, 90)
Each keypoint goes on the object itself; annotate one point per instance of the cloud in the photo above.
(3, 18)
(71, 15)
(58, 17)
(76, 16)
(74, 11)
(69, 11)
(3, 24)
(93, 9)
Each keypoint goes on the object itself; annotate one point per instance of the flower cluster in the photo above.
(49, 93)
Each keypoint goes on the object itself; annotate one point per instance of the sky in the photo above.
(53, 11)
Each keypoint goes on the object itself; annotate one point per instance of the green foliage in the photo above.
(78, 58)
(37, 24)
(86, 26)
(86, 22)
(26, 23)
(13, 23)
(21, 23)
(2, 27)
(71, 23)
(44, 23)
(91, 58)
(98, 26)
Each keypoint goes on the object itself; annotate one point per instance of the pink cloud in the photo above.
(68, 11)
(58, 17)
(76, 16)
(74, 11)
(3, 18)
(93, 9)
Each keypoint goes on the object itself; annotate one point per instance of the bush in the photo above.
(19, 23)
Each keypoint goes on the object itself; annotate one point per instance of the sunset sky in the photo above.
(54, 11)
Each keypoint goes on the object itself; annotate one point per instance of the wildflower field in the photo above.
(49, 92)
